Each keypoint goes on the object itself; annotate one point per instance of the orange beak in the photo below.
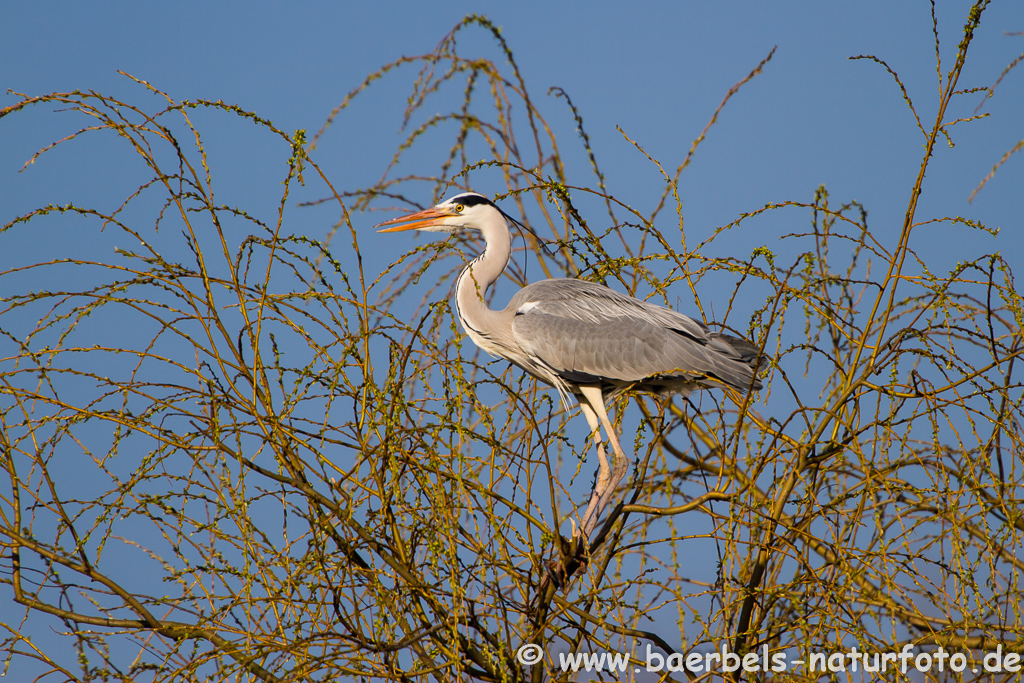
(414, 221)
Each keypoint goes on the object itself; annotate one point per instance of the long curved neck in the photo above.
(481, 323)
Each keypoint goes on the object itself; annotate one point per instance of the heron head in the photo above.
(464, 211)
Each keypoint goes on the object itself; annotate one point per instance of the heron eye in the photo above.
(459, 207)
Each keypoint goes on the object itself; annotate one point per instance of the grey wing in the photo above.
(587, 333)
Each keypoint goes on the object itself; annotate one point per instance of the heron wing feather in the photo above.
(587, 333)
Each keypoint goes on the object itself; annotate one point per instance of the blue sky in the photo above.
(656, 70)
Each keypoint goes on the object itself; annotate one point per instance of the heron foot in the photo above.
(560, 571)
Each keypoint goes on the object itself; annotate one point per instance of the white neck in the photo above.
(480, 322)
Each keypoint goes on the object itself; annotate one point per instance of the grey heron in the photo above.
(582, 338)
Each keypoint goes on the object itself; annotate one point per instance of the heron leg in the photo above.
(589, 517)
(608, 479)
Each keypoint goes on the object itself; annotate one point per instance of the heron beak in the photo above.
(415, 221)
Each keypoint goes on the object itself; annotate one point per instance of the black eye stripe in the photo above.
(472, 199)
